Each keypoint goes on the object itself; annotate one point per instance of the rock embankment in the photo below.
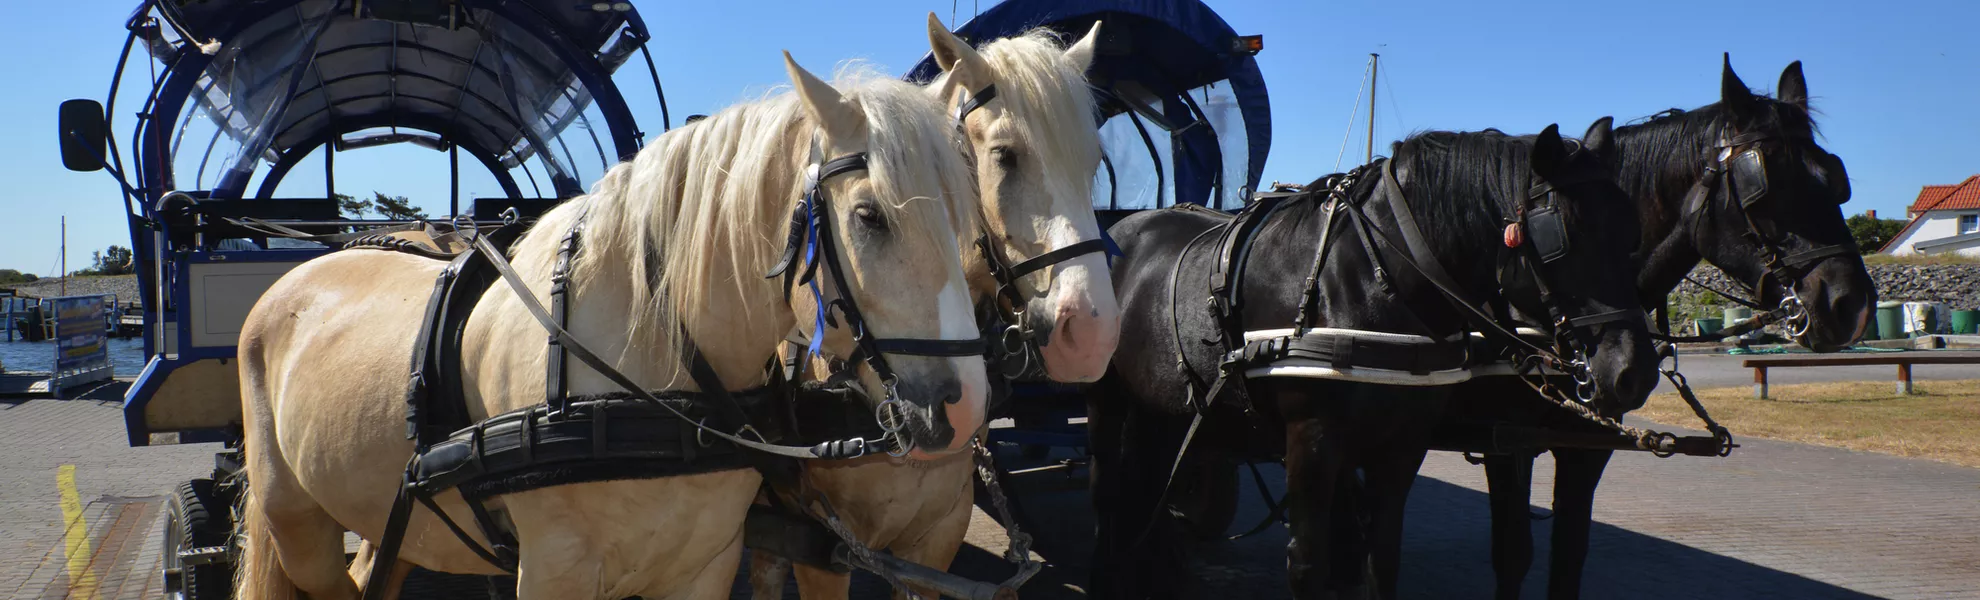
(124, 286)
(1957, 285)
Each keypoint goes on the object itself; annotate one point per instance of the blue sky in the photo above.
(1897, 84)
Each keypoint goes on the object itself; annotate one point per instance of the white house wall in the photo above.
(1937, 224)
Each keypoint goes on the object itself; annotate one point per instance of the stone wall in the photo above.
(124, 286)
(1957, 286)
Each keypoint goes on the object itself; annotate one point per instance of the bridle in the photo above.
(1016, 333)
(1538, 223)
(1743, 176)
(811, 233)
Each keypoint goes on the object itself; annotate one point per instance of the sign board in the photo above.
(82, 342)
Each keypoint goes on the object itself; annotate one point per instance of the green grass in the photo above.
(1941, 421)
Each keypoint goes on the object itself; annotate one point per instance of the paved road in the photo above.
(1720, 370)
(1775, 520)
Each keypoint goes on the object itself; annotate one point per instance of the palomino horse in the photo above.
(1327, 263)
(676, 243)
(1798, 220)
(1036, 149)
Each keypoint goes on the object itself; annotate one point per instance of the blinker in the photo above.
(1747, 178)
(1549, 232)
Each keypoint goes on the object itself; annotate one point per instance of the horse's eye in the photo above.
(1005, 156)
(869, 216)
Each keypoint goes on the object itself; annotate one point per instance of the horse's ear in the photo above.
(1732, 91)
(840, 119)
(1081, 52)
(1549, 154)
(955, 56)
(1600, 137)
(1793, 89)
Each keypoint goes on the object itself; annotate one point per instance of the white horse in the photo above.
(675, 240)
(1037, 148)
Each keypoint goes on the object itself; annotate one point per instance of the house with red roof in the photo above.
(1944, 218)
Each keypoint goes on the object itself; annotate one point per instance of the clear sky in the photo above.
(1897, 84)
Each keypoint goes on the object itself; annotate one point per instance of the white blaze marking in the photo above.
(953, 308)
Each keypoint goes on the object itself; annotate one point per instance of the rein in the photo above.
(1017, 332)
(1743, 176)
(811, 231)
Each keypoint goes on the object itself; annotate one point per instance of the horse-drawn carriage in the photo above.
(239, 94)
(527, 85)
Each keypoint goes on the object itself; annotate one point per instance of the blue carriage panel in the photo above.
(1169, 69)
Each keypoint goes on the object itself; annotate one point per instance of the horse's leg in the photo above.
(767, 574)
(291, 542)
(822, 584)
(1129, 466)
(1509, 479)
(1390, 475)
(1576, 473)
(937, 545)
(1314, 465)
(361, 570)
(712, 583)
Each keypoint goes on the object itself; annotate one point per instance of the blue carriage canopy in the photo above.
(1163, 69)
(502, 80)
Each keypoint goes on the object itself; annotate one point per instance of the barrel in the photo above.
(1709, 326)
(1966, 321)
(1890, 320)
(1734, 315)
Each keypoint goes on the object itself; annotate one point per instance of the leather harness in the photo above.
(633, 433)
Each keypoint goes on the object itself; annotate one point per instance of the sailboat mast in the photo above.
(65, 256)
(1374, 64)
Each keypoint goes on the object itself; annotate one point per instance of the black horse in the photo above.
(1337, 257)
(1774, 223)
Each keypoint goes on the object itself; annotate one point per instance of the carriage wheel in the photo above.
(196, 518)
(1205, 497)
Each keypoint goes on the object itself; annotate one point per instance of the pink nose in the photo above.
(1082, 342)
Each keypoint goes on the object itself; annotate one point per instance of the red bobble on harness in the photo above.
(1515, 235)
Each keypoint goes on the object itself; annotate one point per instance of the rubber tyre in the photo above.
(1205, 498)
(197, 517)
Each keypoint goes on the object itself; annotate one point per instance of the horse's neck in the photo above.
(1667, 251)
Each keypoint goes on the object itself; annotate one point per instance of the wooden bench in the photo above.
(1903, 360)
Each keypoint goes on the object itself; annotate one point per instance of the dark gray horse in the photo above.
(1351, 447)
(1778, 227)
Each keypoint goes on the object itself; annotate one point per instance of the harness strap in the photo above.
(1033, 264)
(976, 101)
(698, 368)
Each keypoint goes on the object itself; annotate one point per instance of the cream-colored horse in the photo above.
(676, 240)
(1037, 149)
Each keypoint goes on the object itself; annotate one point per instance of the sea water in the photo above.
(126, 356)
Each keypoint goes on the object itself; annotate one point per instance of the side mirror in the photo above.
(84, 135)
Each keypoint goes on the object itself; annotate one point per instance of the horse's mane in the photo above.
(1461, 184)
(1039, 85)
(1660, 155)
(706, 204)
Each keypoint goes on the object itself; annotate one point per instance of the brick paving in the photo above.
(1775, 520)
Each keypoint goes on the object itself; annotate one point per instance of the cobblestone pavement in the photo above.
(1775, 520)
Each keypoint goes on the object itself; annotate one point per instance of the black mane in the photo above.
(1661, 155)
(1462, 185)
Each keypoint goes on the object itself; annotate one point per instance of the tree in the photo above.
(10, 276)
(114, 261)
(352, 208)
(397, 208)
(1872, 233)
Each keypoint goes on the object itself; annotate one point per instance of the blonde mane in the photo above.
(1039, 85)
(706, 204)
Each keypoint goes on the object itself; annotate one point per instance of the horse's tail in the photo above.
(259, 575)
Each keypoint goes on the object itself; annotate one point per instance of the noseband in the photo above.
(1017, 332)
(811, 232)
(1743, 176)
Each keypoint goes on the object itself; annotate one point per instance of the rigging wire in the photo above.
(1351, 115)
